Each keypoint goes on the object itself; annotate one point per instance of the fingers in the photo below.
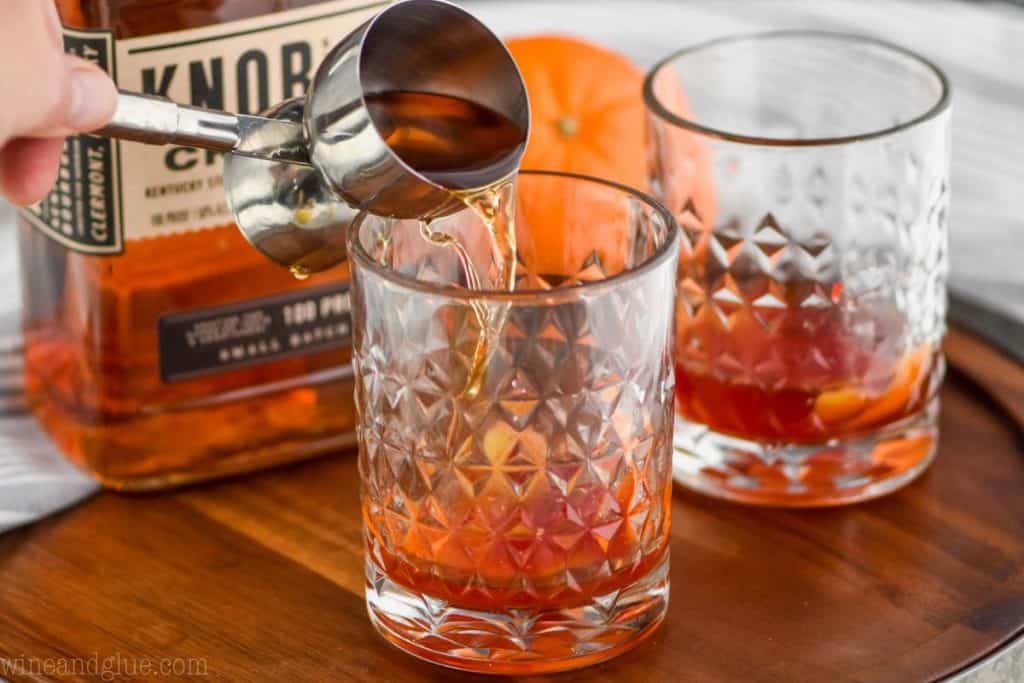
(88, 104)
(92, 100)
(46, 93)
(35, 84)
(28, 168)
(51, 19)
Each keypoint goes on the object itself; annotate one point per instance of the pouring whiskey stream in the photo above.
(399, 121)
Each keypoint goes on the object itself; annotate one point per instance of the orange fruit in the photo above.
(851, 408)
(586, 109)
(839, 405)
(903, 392)
(588, 117)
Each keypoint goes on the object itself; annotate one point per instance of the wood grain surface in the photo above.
(261, 578)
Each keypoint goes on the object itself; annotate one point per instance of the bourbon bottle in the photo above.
(161, 348)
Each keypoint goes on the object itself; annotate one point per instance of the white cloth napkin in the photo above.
(35, 479)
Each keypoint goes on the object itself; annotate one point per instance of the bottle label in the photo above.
(111, 191)
(84, 210)
(214, 340)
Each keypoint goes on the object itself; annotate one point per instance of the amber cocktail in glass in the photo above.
(809, 175)
(515, 446)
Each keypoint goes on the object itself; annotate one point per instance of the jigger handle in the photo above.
(157, 120)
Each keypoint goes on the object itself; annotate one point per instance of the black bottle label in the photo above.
(213, 340)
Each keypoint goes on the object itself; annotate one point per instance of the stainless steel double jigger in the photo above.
(297, 177)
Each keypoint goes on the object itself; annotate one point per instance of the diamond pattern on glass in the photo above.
(528, 520)
(553, 479)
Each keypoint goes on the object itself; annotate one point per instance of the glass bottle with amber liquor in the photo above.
(160, 347)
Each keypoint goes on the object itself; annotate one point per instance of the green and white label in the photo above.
(83, 211)
(111, 192)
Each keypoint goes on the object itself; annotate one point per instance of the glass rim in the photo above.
(540, 297)
(655, 106)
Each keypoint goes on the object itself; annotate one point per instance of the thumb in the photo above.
(80, 97)
(91, 99)
(46, 93)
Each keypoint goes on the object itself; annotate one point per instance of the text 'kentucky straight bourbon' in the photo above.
(160, 347)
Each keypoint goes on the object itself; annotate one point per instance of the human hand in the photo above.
(46, 95)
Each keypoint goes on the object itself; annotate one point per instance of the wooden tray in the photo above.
(261, 578)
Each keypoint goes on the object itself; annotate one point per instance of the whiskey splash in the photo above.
(495, 206)
(460, 145)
